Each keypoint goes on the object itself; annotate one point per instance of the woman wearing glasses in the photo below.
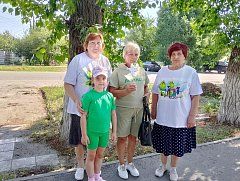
(128, 83)
(77, 82)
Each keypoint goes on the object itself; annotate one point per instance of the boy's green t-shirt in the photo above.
(99, 107)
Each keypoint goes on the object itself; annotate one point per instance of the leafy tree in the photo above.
(35, 49)
(144, 35)
(221, 19)
(76, 18)
(7, 41)
(28, 45)
(208, 54)
(171, 28)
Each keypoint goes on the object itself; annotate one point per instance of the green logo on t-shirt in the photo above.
(135, 79)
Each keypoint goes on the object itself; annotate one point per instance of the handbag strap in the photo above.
(146, 111)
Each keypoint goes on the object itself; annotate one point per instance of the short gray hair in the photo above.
(131, 46)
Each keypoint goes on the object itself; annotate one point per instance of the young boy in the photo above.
(99, 107)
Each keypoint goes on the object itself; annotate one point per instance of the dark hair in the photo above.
(93, 36)
(178, 46)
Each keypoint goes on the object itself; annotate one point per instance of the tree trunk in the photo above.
(65, 122)
(87, 14)
(229, 112)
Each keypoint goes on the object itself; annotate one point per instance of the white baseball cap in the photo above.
(99, 71)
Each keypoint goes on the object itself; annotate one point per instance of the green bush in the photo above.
(212, 106)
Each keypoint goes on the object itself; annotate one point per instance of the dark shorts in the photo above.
(75, 134)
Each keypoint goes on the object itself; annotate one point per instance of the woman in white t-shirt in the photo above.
(77, 82)
(175, 99)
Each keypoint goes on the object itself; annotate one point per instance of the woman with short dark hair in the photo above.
(175, 99)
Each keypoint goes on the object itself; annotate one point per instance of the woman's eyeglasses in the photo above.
(95, 43)
(133, 54)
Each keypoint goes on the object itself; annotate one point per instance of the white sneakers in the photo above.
(122, 170)
(160, 171)
(132, 169)
(79, 174)
(173, 174)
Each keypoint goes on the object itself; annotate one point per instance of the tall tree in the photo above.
(7, 41)
(144, 35)
(171, 28)
(76, 17)
(7, 44)
(221, 18)
(27, 46)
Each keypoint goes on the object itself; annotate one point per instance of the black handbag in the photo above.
(144, 133)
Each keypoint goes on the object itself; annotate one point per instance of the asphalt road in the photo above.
(39, 79)
(34, 79)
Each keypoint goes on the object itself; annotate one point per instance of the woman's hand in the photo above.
(147, 95)
(79, 106)
(153, 115)
(85, 140)
(154, 106)
(113, 136)
(131, 87)
(191, 121)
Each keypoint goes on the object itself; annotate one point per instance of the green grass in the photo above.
(47, 130)
(23, 172)
(209, 105)
(212, 131)
(33, 68)
(7, 176)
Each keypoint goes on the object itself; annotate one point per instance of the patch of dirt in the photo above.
(211, 89)
(20, 105)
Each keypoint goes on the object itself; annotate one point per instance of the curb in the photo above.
(116, 161)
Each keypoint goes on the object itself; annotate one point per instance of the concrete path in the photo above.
(17, 153)
(215, 161)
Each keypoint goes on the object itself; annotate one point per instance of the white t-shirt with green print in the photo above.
(174, 89)
(122, 76)
(79, 75)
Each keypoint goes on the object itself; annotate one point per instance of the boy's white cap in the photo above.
(99, 71)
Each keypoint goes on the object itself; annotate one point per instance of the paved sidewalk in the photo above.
(218, 160)
(12, 159)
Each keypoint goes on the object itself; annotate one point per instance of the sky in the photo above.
(13, 23)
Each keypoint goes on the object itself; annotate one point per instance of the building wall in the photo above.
(7, 58)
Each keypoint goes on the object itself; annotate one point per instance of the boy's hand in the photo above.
(85, 140)
(114, 136)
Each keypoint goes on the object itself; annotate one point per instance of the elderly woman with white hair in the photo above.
(128, 83)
